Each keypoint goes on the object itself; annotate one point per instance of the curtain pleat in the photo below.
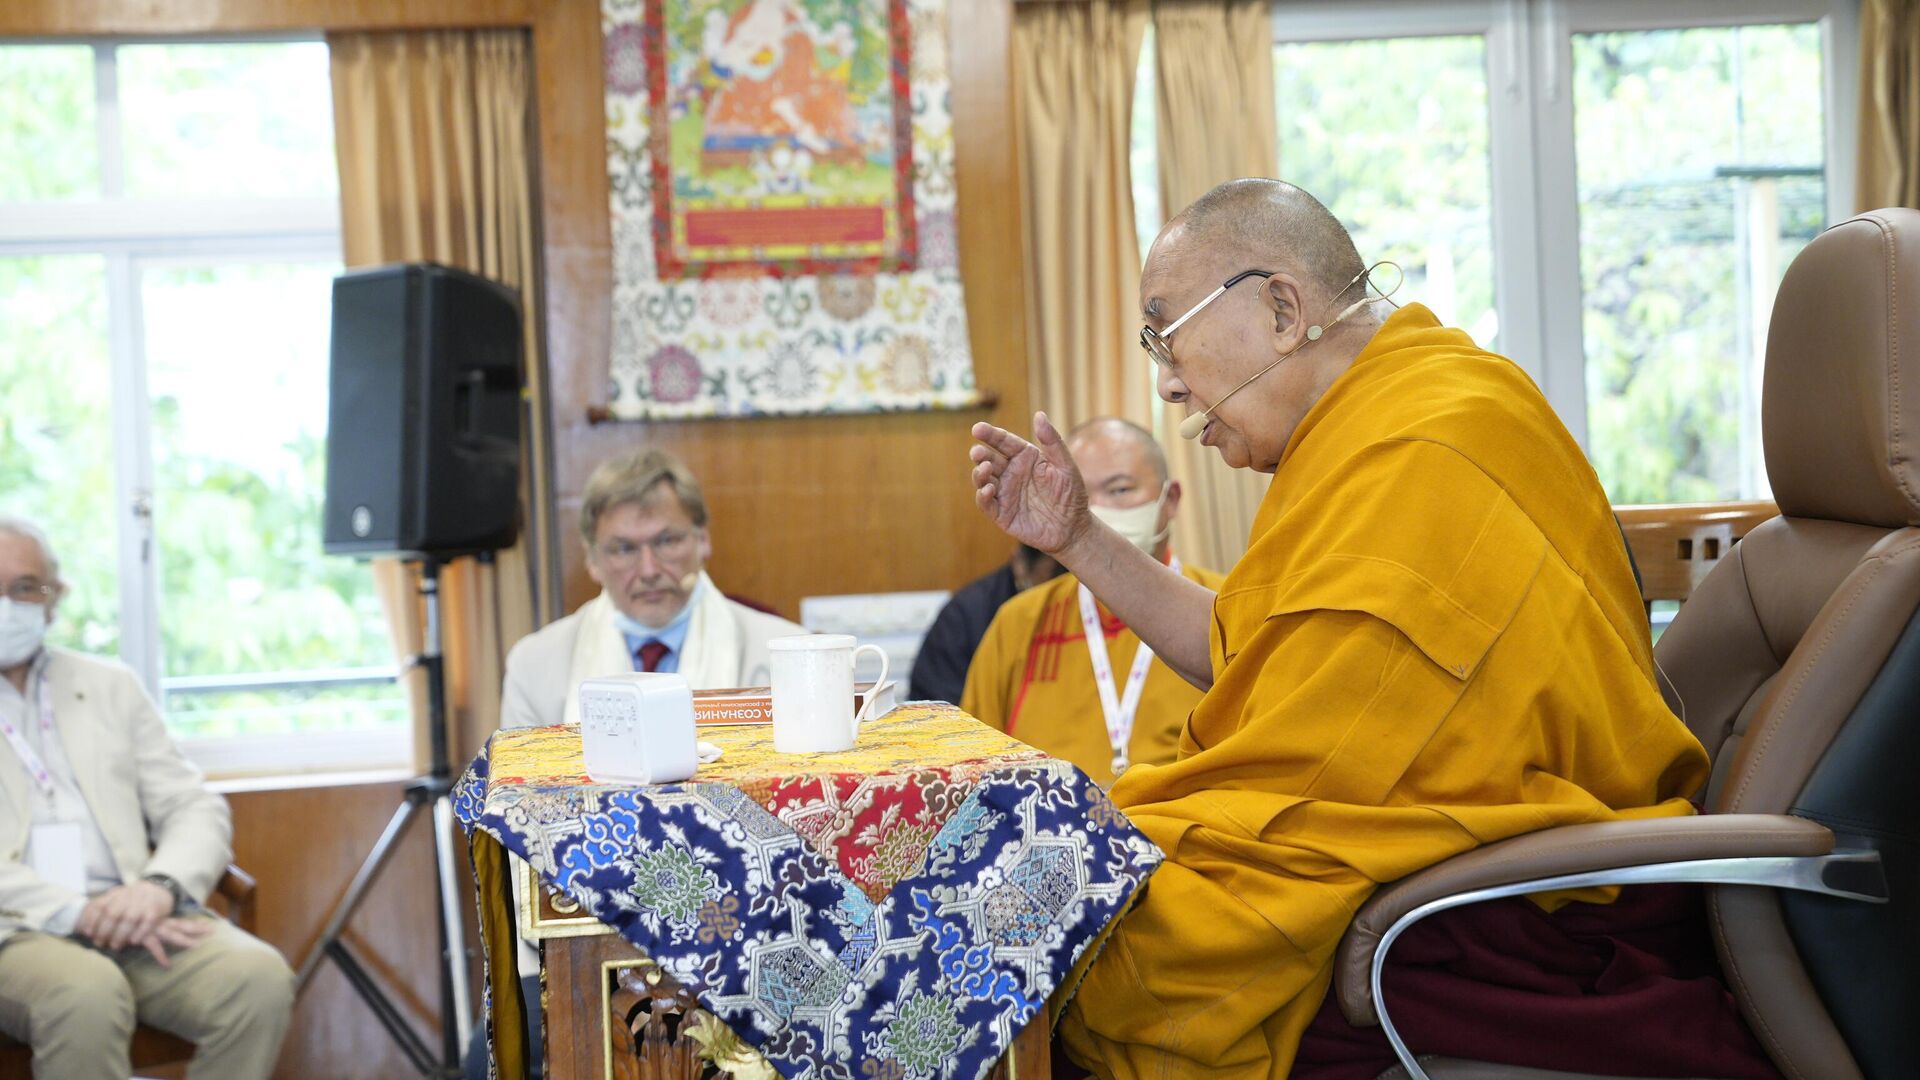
(431, 130)
(1889, 162)
(1074, 66)
(1213, 85)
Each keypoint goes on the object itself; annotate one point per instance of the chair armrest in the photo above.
(236, 887)
(1569, 849)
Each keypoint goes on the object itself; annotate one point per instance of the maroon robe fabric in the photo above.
(1630, 988)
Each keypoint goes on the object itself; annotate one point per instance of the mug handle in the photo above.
(861, 716)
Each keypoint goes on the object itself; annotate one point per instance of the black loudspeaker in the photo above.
(423, 422)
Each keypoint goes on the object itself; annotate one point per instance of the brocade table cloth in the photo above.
(902, 909)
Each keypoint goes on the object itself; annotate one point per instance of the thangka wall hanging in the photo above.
(783, 208)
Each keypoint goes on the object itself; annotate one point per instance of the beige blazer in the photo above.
(150, 801)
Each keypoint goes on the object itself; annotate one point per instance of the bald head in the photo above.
(1271, 225)
(1234, 367)
(1126, 480)
(1110, 437)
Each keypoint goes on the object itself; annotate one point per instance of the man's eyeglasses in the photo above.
(1155, 341)
(30, 591)
(669, 546)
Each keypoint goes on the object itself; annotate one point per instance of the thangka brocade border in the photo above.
(933, 981)
(785, 337)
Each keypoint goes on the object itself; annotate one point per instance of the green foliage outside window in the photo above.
(1679, 132)
(231, 342)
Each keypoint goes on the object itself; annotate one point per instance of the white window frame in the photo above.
(1535, 197)
(132, 235)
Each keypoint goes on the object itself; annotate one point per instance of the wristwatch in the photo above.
(180, 897)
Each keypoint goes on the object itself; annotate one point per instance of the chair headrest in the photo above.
(1840, 411)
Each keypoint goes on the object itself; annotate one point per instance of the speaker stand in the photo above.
(430, 793)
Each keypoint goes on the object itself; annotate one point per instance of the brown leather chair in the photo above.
(153, 1048)
(1797, 663)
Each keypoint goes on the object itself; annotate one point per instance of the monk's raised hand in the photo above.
(1032, 490)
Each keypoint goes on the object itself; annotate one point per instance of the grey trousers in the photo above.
(230, 995)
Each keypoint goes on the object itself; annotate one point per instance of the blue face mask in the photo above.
(633, 627)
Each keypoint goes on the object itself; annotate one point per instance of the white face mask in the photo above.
(22, 628)
(1137, 523)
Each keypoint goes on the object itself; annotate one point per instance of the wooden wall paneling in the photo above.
(799, 505)
(303, 845)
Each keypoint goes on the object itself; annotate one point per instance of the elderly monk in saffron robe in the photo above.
(1433, 641)
(1034, 676)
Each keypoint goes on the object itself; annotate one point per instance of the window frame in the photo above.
(1534, 185)
(131, 235)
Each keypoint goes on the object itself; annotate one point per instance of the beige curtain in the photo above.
(1889, 104)
(432, 136)
(1213, 73)
(1074, 64)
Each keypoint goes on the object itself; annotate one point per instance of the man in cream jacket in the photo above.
(644, 522)
(109, 841)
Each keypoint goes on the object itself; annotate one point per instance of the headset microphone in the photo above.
(1192, 426)
(689, 580)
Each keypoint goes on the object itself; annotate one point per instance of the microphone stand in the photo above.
(431, 793)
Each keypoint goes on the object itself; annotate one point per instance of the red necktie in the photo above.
(651, 653)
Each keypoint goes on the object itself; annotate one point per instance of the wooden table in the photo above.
(905, 907)
(604, 1018)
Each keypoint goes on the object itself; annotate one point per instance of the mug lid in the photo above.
(811, 642)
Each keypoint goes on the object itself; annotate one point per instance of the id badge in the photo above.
(57, 852)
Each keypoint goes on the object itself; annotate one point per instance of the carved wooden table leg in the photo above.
(611, 1015)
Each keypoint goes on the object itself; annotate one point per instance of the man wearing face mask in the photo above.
(109, 842)
(644, 522)
(1034, 675)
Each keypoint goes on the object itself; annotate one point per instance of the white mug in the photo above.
(813, 692)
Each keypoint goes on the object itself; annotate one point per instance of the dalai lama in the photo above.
(1433, 642)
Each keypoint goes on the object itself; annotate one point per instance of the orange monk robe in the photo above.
(1032, 678)
(1433, 642)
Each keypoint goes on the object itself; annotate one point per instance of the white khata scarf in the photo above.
(711, 658)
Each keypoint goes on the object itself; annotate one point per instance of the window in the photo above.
(1700, 171)
(1607, 191)
(168, 238)
(1402, 161)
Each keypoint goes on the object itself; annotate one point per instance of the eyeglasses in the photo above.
(670, 545)
(30, 591)
(1155, 341)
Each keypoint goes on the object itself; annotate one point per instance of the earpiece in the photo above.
(1314, 332)
(1192, 426)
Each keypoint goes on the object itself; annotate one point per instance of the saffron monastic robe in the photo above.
(1433, 642)
(1032, 678)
